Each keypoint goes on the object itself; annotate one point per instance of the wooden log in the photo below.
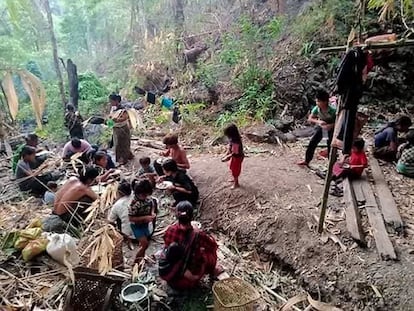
(382, 240)
(385, 198)
(353, 217)
(73, 83)
(359, 194)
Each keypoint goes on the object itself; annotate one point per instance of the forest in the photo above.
(238, 54)
(258, 64)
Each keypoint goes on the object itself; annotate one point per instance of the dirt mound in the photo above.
(275, 211)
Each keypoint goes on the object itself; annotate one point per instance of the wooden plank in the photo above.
(359, 194)
(382, 240)
(353, 217)
(386, 200)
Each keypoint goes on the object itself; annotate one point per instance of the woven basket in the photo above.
(234, 294)
(93, 292)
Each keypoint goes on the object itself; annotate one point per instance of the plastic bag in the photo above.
(35, 223)
(34, 248)
(21, 243)
(31, 233)
(61, 244)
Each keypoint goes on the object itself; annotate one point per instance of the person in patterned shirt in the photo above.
(142, 213)
(201, 254)
(405, 164)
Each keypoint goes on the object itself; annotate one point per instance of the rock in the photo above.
(265, 133)
(283, 125)
(303, 132)
(290, 138)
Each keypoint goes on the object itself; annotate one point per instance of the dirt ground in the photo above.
(275, 212)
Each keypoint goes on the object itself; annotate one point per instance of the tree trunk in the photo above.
(55, 52)
(179, 19)
(73, 83)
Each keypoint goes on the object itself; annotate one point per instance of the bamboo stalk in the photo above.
(372, 46)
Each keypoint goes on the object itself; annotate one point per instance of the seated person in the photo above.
(142, 214)
(189, 253)
(75, 197)
(147, 170)
(405, 164)
(183, 188)
(32, 140)
(351, 167)
(386, 139)
(323, 116)
(50, 194)
(104, 161)
(75, 145)
(119, 213)
(175, 152)
(26, 179)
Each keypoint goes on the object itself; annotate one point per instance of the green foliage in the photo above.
(387, 8)
(190, 113)
(207, 73)
(239, 117)
(336, 18)
(308, 49)
(93, 94)
(54, 129)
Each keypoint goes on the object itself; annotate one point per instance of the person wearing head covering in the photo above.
(121, 130)
(189, 253)
(73, 121)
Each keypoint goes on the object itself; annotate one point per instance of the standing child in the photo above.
(50, 194)
(235, 153)
(141, 213)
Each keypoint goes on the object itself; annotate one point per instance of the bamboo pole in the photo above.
(371, 46)
(332, 158)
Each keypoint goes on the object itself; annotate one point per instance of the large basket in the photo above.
(234, 294)
(93, 292)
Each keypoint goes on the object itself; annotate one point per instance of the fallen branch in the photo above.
(276, 295)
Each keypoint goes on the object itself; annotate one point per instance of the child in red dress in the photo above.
(351, 167)
(235, 153)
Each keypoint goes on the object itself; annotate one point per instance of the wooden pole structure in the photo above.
(371, 46)
(332, 156)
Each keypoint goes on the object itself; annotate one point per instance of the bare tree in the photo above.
(55, 51)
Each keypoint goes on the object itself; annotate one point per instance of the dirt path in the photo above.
(274, 212)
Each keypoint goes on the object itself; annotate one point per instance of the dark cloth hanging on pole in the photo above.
(349, 85)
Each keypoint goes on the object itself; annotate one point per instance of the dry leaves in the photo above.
(103, 248)
(11, 95)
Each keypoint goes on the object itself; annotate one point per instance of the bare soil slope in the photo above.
(275, 213)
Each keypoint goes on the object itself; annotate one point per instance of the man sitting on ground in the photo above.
(32, 140)
(25, 176)
(75, 197)
(75, 145)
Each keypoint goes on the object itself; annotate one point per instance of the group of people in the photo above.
(387, 145)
